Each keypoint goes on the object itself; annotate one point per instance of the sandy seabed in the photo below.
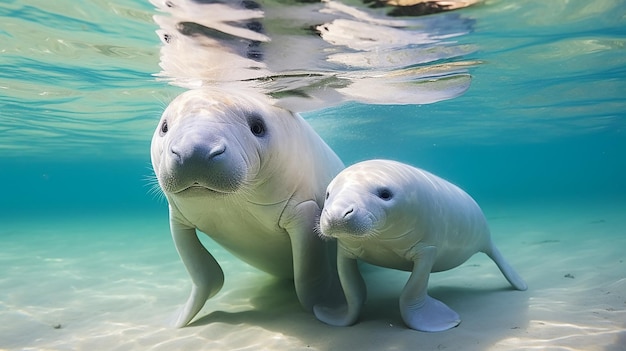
(112, 282)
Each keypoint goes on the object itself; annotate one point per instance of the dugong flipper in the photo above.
(397, 216)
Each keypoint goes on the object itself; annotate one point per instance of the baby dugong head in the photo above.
(358, 201)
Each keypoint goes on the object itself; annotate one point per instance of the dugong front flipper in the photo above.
(354, 289)
(311, 281)
(206, 274)
(418, 310)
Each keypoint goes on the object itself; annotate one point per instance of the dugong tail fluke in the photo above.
(509, 273)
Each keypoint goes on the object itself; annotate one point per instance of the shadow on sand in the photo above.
(488, 315)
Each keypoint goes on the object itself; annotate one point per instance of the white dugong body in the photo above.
(251, 176)
(394, 215)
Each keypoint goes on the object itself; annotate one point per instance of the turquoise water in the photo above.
(544, 115)
(538, 139)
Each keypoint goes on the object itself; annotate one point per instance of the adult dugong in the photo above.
(393, 215)
(252, 176)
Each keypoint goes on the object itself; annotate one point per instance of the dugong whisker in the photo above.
(156, 192)
(244, 191)
(154, 189)
(372, 233)
(317, 229)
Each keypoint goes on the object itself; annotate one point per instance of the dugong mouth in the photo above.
(359, 225)
(199, 189)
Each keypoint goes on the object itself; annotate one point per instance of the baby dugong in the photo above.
(397, 216)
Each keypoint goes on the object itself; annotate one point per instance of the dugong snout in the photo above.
(201, 158)
(346, 219)
(194, 151)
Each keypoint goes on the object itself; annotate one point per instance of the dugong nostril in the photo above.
(196, 153)
(217, 150)
(348, 212)
(175, 151)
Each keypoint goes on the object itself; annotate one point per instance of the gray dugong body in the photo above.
(251, 176)
(393, 215)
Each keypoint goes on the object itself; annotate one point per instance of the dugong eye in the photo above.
(327, 195)
(164, 127)
(384, 193)
(257, 126)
